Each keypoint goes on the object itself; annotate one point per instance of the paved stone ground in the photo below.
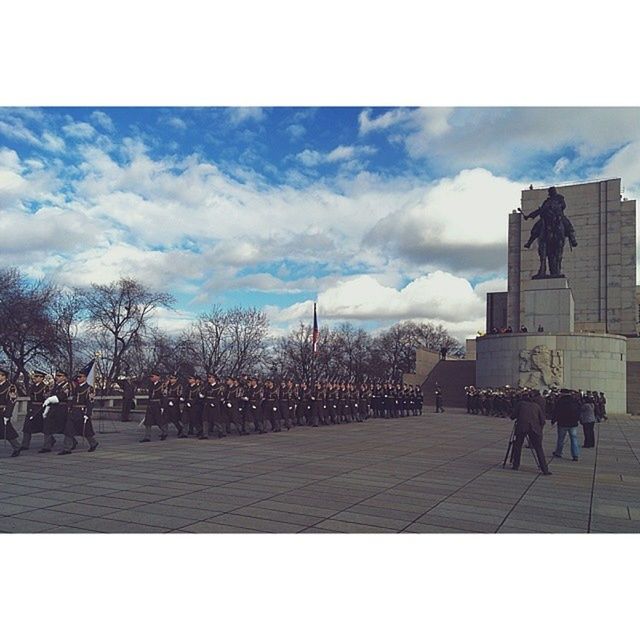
(435, 473)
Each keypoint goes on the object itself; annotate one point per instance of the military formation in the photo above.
(501, 401)
(219, 406)
(62, 408)
(215, 406)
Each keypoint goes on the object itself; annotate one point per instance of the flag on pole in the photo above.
(316, 333)
(89, 370)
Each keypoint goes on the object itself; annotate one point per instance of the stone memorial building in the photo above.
(589, 317)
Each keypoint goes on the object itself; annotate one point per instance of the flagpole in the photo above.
(314, 337)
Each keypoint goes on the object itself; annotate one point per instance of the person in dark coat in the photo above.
(56, 410)
(530, 420)
(128, 401)
(153, 416)
(79, 417)
(587, 420)
(33, 421)
(8, 396)
(566, 415)
(439, 399)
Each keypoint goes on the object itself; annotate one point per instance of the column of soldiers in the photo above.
(501, 401)
(63, 408)
(216, 406)
(219, 406)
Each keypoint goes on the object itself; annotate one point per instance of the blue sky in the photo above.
(374, 212)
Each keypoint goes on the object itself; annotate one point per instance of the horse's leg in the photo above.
(542, 253)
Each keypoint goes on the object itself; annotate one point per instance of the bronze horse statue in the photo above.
(551, 230)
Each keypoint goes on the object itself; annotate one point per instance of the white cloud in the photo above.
(458, 222)
(79, 130)
(296, 131)
(238, 115)
(438, 297)
(103, 120)
(342, 153)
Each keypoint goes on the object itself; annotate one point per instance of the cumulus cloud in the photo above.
(238, 115)
(459, 223)
(296, 131)
(436, 297)
(499, 138)
(79, 130)
(103, 120)
(342, 153)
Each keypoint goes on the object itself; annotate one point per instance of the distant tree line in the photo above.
(45, 326)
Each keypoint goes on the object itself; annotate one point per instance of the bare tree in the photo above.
(27, 330)
(293, 353)
(119, 313)
(207, 340)
(248, 329)
(69, 311)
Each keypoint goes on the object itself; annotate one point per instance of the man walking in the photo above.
(79, 417)
(33, 422)
(439, 399)
(8, 396)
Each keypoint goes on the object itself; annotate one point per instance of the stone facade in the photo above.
(601, 271)
(584, 361)
(548, 303)
(497, 311)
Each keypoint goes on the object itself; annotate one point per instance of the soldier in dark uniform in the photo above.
(56, 410)
(302, 406)
(212, 396)
(231, 405)
(172, 412)
(254, 406)
(419, 400)
(439, 399)
(270, 401)
(153, 416)
(286, 404)
(128, 398)
(192, 406)
(80, 405)
(8, 396)
(33, 422)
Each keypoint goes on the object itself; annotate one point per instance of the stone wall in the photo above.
(586, 361)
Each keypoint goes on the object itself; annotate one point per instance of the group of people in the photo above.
(199, 407)
(63, 408)
(246, 404)
(509, 329)
(500, 401)
(566, 408)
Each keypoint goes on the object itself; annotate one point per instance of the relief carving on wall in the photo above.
(541, 368)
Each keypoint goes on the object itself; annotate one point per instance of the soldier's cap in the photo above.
(211, 374)
(37, 372)
(80, 373)
(4, 372)
(61, 372)
(154, 372)
(196, 377)
(173, 374)
(190, 376)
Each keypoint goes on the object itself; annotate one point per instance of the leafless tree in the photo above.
(27, 330)
(119, 314)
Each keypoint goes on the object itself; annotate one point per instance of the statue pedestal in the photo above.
(548, 302)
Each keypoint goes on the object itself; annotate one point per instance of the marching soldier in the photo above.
(8, 396)
(439, 399)
(33, 421)
(254, 406)
(171, 414)
(212, 395)
(192, 407)
(153, 416)
(56, 410)
(270, 405)
(80, 404)
(286, 404)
